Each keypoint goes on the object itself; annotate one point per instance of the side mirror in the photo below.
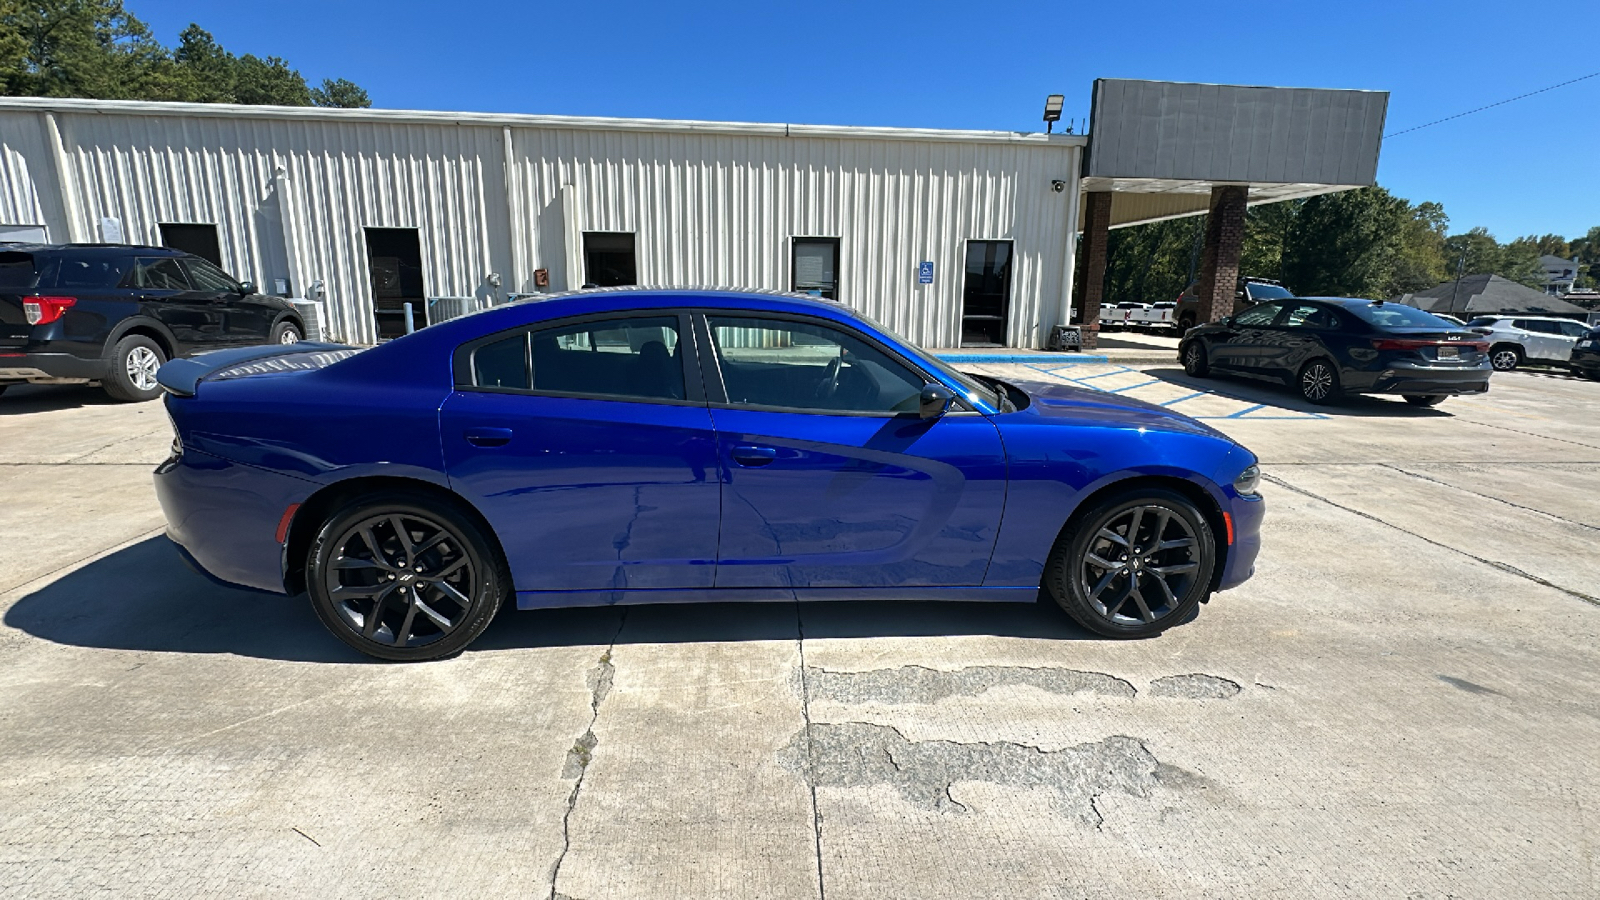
(1226, 321)
(247, 287)
(935, 401)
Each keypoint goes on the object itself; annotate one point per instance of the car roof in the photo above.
(90, 249)
(648, 297)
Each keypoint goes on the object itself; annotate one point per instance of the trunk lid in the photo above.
(182, 377)
(19, 277)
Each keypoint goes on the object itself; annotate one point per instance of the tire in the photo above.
(1195, 360)
(1318, 381)
(1505, 357)
(418, 618)
(1185, 322)
(132, 376)
(1424, 399)
(286, 332)
(1087, 552)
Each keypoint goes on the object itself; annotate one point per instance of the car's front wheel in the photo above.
(1134, 565)
(1424, 399)
(404, 578)
(286, 333)
(1319, 381)
(134, 362)
(1194, 360)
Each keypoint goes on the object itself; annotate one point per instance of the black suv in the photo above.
(1247, 293)
(113, 313)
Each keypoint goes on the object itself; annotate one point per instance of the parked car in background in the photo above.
(1130, 314)
(1585, 357)
(1248, 293)
(1514, 340)
(78, 313)
(650, 446)
(1328, 346)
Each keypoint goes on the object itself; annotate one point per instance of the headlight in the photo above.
(1247, 481)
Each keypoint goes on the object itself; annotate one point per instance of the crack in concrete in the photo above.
(918, 684)
(576, 766)
(808, 762)
(1198, 686)
(1504, 567)
(1549, 515)
(859, 754)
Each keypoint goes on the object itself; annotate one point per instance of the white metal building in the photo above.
(383, 207)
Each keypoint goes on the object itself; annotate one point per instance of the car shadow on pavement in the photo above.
(143, 597)
(1283, 397)
(21, 399)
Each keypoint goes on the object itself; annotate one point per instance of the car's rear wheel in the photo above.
(286, 333)
(1505, 357)
(1185, 322)
(402, 578)
(134, 362)
(1319, 381)
(1195, 361)
(1134, 565)
(1424, 399)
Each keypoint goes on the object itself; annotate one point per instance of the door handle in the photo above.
(488, 437)
(748, 455)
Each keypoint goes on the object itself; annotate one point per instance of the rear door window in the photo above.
(160, 274)
(102, 272)
(1306, 315)
(1258, 316)
(637, 358)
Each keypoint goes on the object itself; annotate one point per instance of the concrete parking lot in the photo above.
(1403, 702)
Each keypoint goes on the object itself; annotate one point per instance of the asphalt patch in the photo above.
(1198, 686)
(917, 684)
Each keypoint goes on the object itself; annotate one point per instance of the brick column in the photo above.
(1096, 230)
(1219, 261)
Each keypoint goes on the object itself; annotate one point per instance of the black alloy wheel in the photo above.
(1424, 399)
(1195, 362)
(1319, 381)
(403, 578)
(1505, 357)
(1135, 565)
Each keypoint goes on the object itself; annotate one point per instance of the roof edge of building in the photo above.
(525, 120)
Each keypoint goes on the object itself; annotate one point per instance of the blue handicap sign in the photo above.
(925, 273)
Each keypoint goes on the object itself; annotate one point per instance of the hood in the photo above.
(1072, 405)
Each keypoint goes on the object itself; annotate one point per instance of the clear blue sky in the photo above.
(1527, 167)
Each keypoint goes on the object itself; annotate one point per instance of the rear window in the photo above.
(1260, 292)
(1393, 315)
(1483, 321)
(92, 272)
(17, 271)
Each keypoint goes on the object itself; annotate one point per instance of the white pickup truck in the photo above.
(1128, 314)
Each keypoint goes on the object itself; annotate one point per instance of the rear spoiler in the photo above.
(183, 376)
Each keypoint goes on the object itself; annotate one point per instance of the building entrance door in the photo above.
(986, 295)
(394, 261)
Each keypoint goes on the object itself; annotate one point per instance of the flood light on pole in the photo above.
(1052, 111)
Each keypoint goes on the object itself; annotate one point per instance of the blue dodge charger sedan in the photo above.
(667, 446)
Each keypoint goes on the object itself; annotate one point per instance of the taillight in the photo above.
(44, 310)
(1414, 344)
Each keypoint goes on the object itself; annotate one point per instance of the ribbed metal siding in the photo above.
(26, 169)
(722, 210)
(291, 197)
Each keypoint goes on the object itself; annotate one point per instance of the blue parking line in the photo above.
(1248, 409)
(1133, 386)
(1181, 399)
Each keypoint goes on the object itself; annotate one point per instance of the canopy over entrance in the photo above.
(1161, 150)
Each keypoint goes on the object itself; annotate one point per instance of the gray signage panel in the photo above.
(1223, 133)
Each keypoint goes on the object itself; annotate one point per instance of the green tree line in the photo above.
(96, 48)
(1360, 243)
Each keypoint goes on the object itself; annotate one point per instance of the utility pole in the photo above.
(1456, 293)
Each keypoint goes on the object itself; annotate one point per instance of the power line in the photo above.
(1491, 106)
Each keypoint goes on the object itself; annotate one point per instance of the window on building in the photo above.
(814, 267)
(201, 240)
(608, 259)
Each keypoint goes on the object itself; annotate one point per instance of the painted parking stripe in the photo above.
(1133, 386)
(1186, 397)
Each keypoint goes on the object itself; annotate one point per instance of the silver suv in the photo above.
(1514, 340)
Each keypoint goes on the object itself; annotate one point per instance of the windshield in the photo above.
(1393, 315)
(972, 387)
(1260, 292)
